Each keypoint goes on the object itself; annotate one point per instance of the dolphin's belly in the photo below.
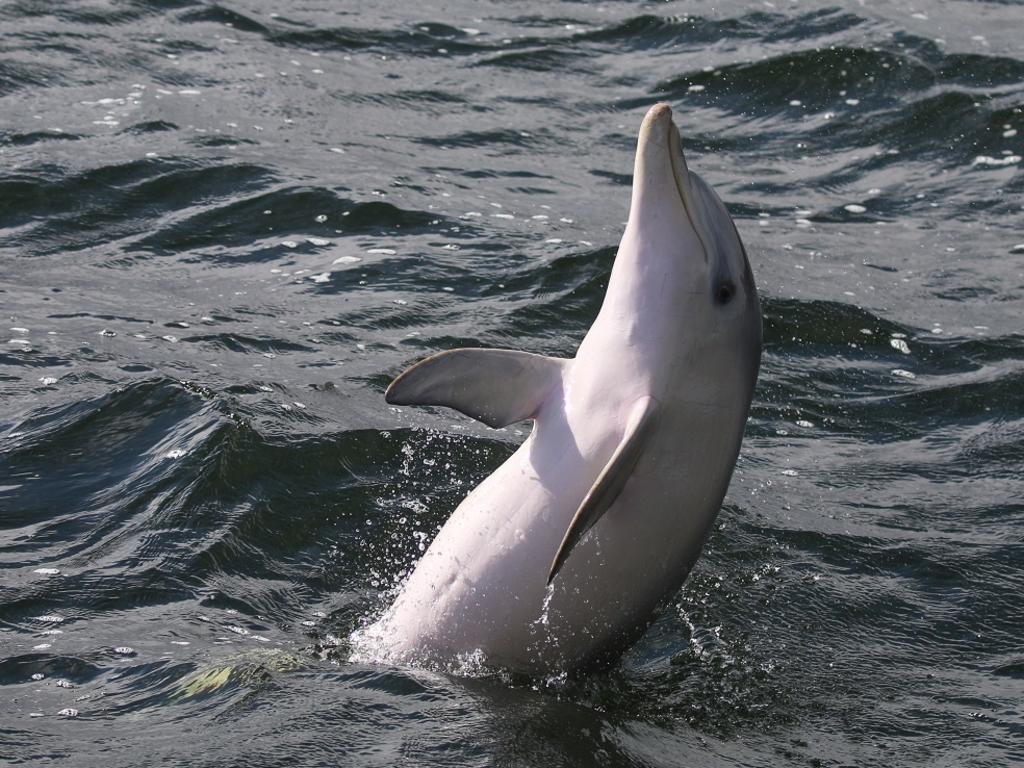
(480, 585)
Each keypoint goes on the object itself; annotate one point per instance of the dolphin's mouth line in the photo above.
(681, 177)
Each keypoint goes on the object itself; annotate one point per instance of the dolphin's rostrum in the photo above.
(558, 560)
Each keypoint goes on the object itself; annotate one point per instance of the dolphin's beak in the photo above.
(660, 175)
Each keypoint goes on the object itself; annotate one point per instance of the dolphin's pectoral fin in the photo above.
(610, 482)
(496, 386)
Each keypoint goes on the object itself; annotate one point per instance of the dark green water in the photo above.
(224, 228)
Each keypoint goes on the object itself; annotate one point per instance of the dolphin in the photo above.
(559, 560)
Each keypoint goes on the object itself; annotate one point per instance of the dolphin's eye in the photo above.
(724, 292)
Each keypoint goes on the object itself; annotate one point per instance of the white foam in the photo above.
(987, 160)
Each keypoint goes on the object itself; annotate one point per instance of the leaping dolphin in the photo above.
(558, 560)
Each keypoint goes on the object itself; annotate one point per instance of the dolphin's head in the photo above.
(680, 227)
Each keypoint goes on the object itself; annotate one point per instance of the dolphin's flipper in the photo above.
(496, 386)
(610, 482)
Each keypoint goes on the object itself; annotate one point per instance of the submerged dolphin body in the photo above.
(558, 560)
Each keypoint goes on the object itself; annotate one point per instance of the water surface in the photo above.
(225, 227)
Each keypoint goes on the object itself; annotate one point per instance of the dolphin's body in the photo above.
(636, 436)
